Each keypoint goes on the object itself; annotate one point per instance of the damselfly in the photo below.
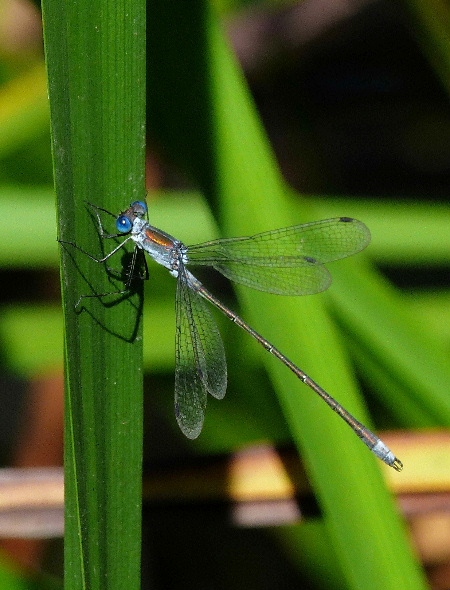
(288, 261)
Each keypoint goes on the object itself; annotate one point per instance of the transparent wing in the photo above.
(200, 358)
(286, 261)
(303, 280)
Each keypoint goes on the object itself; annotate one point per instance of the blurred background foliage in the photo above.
(354, 99)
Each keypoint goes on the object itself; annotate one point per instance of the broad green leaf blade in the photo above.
(96, 67)
(402, 349)
(358, 501)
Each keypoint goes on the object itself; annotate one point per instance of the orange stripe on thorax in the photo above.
(159, 238)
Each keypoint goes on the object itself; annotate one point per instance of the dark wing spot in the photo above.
(310, 259)
(346, 219)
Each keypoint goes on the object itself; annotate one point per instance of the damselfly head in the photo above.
(124, 222)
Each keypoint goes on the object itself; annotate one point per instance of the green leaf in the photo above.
(95, 55)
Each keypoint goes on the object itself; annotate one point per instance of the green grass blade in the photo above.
(352, 503)
(403, 349)
(96, 67)
(397, 345)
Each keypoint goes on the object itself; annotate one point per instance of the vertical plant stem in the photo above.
(95, 55)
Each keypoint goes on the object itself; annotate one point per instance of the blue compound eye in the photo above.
(124, 224)
(139, 207)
